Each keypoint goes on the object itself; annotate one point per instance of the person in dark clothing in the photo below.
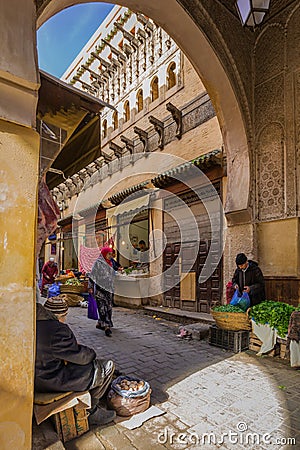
(249, 278)
(63, 365)
(115, 265)
(101, 286)
(49, 272)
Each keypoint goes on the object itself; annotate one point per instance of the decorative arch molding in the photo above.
(292, 14)
(216, 67)
(269, 64)
(270, 170)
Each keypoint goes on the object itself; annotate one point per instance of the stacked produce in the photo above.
(275, 314)
(73, 282)
(228, 308)
(230, 317)
(72, 286)
(129, 395)
(131, 386)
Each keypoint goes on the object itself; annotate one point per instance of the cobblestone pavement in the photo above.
(212, 398)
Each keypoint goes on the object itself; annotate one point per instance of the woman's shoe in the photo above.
(108, 332)
(99, 327)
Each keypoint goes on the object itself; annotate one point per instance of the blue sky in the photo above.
(62, 37)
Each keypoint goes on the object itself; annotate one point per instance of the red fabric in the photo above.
(104, 252)
(110, 242)
(87, 257)
(229, 292)
(48, 215)
(49, 272)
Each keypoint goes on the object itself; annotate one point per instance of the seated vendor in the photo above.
(63, 365)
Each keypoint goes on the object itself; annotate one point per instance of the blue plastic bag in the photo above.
(235, 298)
(92, 308)
(53, 290)
(241, 301)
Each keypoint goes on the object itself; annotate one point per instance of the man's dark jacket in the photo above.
(253, 278)
(61, 364)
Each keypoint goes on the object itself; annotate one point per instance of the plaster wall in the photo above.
(239, 239)
(19, 153)
(278, 256)
(18, 59)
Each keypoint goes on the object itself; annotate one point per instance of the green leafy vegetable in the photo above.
(73, 282)
(228, 308)
(275, 314)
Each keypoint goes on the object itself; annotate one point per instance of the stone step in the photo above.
(178, 315)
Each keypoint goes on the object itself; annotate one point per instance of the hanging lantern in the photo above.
(252, 12)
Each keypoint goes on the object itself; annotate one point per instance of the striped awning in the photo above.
(137, 204)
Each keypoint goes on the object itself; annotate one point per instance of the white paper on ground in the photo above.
(138, 419)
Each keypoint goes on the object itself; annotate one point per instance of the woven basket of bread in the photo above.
(70, 289)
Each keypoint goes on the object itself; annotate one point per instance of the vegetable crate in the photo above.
(278, 350)
(282, 343)
(71, 423)
(235, 341)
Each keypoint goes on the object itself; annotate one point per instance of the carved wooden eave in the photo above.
(94, 74)
(144, 137)
(105, 63)
(128, 143)
(127, 35)
(159, 128)
(115, 51)
(118, 151)
(177, 116)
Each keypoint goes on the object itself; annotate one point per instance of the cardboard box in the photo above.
(71, 423)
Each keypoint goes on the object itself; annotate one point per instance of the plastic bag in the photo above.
(242, 301)
(127, 403)
(92, 308)
(53, 290)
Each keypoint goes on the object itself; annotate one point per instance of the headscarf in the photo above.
(104, 252)
(102, 273)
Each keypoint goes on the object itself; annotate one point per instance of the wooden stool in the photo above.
(69, 422)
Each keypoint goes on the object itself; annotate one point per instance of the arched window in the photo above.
(140, 100)
(126, 111)
(115, 120)
(171, 76)
(154, 89)
(104, 128)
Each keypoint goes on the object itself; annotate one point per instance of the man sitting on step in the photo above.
(63, 365)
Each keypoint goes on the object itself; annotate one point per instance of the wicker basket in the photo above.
(69, 288)
(234, 321)
(62, 278)
(73, 299)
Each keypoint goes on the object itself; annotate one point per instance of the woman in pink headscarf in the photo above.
(101, 285)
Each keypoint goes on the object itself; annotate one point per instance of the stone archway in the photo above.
(206, 59)
(19, 144)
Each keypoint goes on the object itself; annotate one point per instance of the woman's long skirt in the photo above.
(104, 301)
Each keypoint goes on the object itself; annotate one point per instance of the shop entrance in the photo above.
(182, 289)
(207, 294)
